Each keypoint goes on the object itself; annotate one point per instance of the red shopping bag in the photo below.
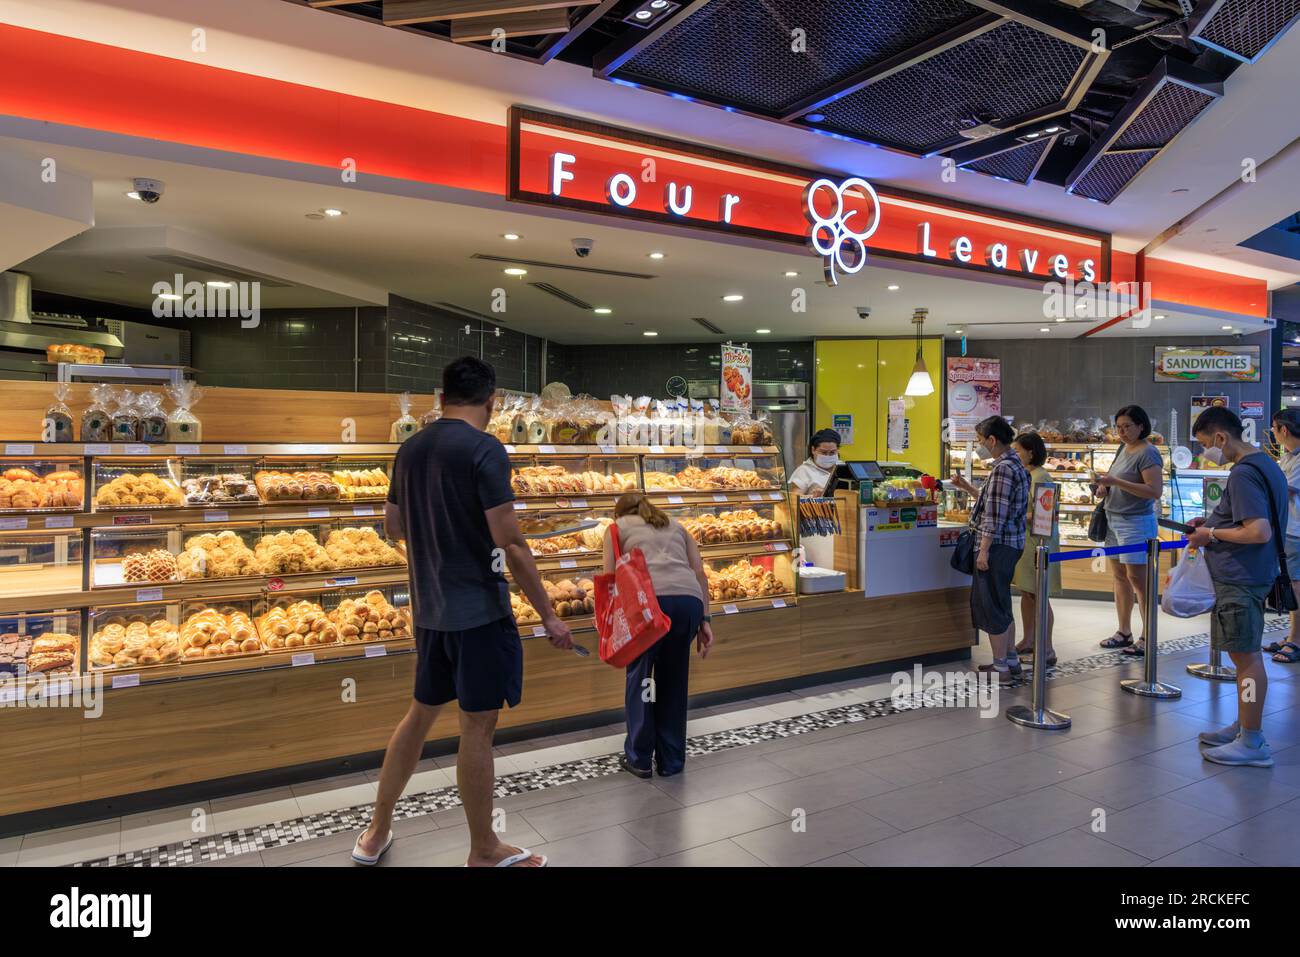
(628, 617)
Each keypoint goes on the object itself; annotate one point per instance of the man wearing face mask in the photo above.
(1238, 542)
(811, 477)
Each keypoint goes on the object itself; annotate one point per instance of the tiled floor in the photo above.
(823, 776)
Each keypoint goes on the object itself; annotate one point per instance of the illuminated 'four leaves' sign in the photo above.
(842, 244)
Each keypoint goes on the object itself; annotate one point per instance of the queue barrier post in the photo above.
(1149, 686)
(1037, 715)
(1214, 669)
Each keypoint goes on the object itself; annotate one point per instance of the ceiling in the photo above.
(289, 41)
(224, 224)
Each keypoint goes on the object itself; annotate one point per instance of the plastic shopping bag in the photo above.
(1189, 591)
(628, 617)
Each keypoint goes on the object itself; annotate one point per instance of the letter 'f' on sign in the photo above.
(559, 173)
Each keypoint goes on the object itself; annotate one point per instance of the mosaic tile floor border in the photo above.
(249, 840)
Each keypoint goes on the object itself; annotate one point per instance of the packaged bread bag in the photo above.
(183, 425)
(405, 425)
(152, 425)
(57, 424)
(97, 421)
(125, 418)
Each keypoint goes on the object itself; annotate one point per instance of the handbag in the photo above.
(1281, 597)
(1099, 525)
(963, 555)
(628, 618)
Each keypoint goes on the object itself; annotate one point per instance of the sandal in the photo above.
(370, 860)
(1136, 650)
(1285, 657)
(1118, 640)
(1273, 646)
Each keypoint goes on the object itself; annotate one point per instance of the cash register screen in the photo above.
(865, 471)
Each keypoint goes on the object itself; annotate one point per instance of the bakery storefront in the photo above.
(204, 566)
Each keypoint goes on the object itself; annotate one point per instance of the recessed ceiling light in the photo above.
(958, 331)
(790, 274)
(1031, 136)
(1045, 329)
(333, 213)
(656, 255)
(510, 236)
(515, 271)
(649, 332)
(763, 332)
(1060, 318)
(644, 14)
(602, 310)
(1160, 316)
(1052, 129)
(732, 297)
(1226, 328)
(892, 287)
(220, 283)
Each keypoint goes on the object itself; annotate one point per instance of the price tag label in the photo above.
(318, 513)
(126, 681)
(132, 520)
(236, 449)
(657, 449)
(11, 524)
(607, 449)
(303, 658)
(510, 449)
(720, 450)
(58, 521)
(778, 602)
(777, 547)
(21, 449)
(756, 448)
(187, 450)
(774, 496)
(730, 610)
(137, 450)
(376, 651)
(718, 497)
(346, 580)
(546, 449)
(312, 449)
(568, 563)
(520, 506)
(217, 516)
(363, 510)
(675, 500)
(755, 497)
(577, 503)
(148, 594)
(99, 448)
(539, 631)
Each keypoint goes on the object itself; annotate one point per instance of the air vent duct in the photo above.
(559, 293)
(1171, 98)
(545, 265)
(707, 325)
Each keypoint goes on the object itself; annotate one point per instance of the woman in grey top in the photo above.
(1131, 490)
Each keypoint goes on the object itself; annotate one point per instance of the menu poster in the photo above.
(974, 393)
(1202, 402)
(737, 379)
(1044, 509)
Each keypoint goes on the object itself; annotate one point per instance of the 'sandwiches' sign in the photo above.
(1207, 364)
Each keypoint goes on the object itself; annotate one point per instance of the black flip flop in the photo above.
(1274, 646)
(1281, 656)
(1133, 651)
(1111, 643)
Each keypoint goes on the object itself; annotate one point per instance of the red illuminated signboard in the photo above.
(571, 163)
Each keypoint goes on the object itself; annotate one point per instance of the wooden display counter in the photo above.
(169, 742)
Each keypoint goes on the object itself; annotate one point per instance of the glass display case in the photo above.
(133, 556)
(224, 481)
(734, 523)
(683, 471)
(40, 563)
(133, 636)
(46, 643)
(570, 589)
(139, 482)
(362, 478)
(296, 479)
(749, 577)
(534, 475)
(37, 485)
(564, 532)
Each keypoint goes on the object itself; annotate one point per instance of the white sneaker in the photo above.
(1238, 753)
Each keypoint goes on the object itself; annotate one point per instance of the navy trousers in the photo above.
(657, 727)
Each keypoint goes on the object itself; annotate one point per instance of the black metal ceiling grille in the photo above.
(1111, 173)
(739, 52)
(1018, 164)
(1007, 72)
(1246, 28)
(1171, 108)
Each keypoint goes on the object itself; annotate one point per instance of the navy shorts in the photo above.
(480, 667)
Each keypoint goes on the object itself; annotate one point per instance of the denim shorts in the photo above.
(1293, 557)
(1131, 530)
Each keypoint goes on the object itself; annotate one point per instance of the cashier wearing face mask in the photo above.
(811, 477)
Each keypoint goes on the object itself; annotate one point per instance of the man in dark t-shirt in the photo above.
(1241, 539)
(450, 499)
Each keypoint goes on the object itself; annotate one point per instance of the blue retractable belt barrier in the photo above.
(1138, 548)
